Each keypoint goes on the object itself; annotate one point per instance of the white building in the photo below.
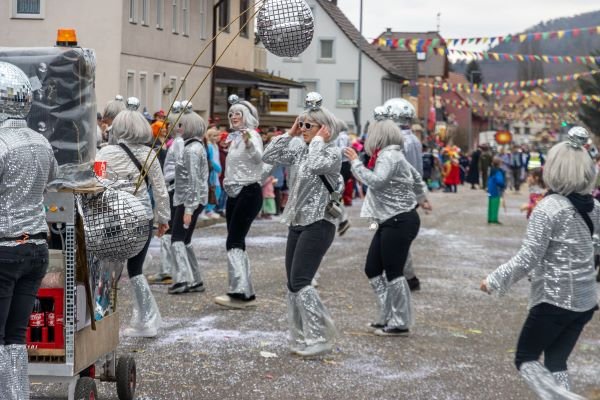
(330, 67)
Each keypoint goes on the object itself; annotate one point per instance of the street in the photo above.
(461, 347)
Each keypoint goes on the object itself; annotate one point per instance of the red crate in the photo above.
(57, 295)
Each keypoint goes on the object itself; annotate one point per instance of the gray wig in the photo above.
(249, 114)
(323, 117)
(131, 127)
(113, 108)
(382, 134)
(192, 125)
(569, 170)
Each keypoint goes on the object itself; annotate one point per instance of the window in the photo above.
(244, 5)
(130, 84)
(185, 17)
(160, 11)
(223, 15)
(326, 50)
(421, 56)
(157, 92)
(309, 86)
(203, 18)
(143, 89)
(346, 93)
(172, 88)
(144, 17)
(132, 18)
(28, 9)
(175, 16)
(182, 92)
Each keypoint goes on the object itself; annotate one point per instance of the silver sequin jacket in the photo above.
(308, 195)
(243, 165)
(119, 162)
(558, 255)
(191, 177)
(395, 186)
(27, 164)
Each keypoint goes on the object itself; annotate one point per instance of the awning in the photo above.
(238, 77)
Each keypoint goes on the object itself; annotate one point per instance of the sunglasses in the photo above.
(307, 125)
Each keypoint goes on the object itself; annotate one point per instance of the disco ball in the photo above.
(285, 27)
(115, 224)
(133, 103)
(381, 113)
(400, 110)
(578, 136)
(16, 94)
(313, 101)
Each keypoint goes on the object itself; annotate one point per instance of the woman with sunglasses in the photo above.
(243, 171)
(311, 227)
(395, 189)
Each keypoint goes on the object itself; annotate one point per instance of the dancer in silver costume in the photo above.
(242, 183)
(558, 256)
(191, 195)
(311, 227)
(403, 113)
(131, 131)
(395, 189)
(27, 164)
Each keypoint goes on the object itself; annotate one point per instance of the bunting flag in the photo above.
(409, 43)
(478, 55)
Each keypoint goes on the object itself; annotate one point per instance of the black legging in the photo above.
(22, 268)
(240, 212)
(179, 233)
(390, 245)
(136, 263)
(306, 246)
(553, 331)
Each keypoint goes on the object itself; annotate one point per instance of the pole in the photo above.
(359, 88)
(426, 114)
(214, 58)
(470, 134)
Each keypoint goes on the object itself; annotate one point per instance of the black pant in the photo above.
(346, 171)
(21, 271)
(136, 263)
(240, 212)
(306, 246)
(390, 245)
(516, 173)
(179, 233)
(553, 331)
(171, 194)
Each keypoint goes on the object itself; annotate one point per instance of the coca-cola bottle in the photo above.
(36, 322)
(51, 321)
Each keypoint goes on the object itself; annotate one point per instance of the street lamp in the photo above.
(470, 136)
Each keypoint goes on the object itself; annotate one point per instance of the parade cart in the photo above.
(73, 332)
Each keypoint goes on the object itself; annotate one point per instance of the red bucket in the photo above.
(100, 169)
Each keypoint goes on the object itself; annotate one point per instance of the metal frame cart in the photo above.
(85, 349)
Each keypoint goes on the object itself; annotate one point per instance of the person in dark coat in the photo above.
(473, 175)
(485, 163)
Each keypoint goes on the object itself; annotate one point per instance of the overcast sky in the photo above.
(460, 18)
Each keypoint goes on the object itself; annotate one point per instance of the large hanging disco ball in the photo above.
(285, 27)
(16, 93)
(115, 224)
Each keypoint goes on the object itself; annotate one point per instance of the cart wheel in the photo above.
(85, 388)
(126, 378)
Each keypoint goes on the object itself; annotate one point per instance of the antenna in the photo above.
(439, 15)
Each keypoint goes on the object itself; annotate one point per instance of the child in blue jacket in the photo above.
(495, 187)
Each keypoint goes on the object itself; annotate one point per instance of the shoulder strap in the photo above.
(588, 221)
(326, 183)
(192, 140)
(136, 162)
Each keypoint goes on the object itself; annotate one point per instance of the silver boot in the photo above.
(145, 319)
(18, 376)
(397, 309)
(8, 376)
(379, 286)
(166, 256)
(563, 379)
(317, 324)
(182, 271)
(297, 342)
(541, 381)
(198, 283)
(240, 281)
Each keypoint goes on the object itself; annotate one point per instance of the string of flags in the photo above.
(493, 56)
(424, 45)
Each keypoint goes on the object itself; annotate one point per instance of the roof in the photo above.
(253, 78)
(434, 65)
(358, 40)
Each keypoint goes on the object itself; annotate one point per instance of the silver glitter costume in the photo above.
(557, 254)
(379, 286)
(563, 379)
(166, 256)
(27, 164)
(317, 324)
(541, 381)
(145, 316)
(119, 162)
(239, 273)
(413, 150)
(398, 306)
(14, 380)
(308, 195)
(191, 177)
(394, 185)
(173, 155)
(243, 166)
(297, 341)
(182, 269)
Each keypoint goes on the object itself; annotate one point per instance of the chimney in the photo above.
(388, 31)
